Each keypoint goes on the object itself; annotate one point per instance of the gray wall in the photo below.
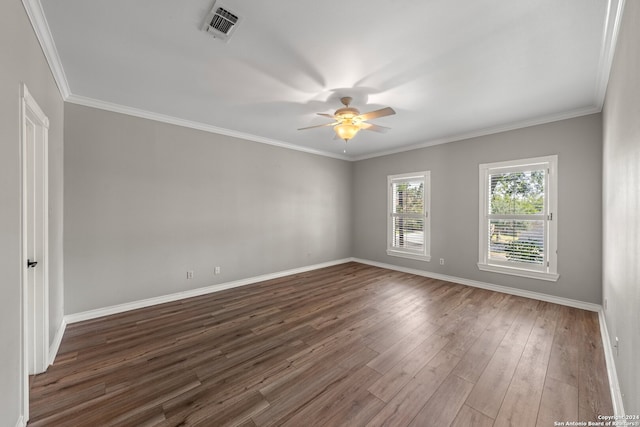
(621, 208)
(21, 60)
(146, 201)
(454, 203)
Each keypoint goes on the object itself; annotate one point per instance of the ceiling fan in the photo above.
(348, 120)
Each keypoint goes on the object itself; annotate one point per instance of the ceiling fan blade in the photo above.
(375, 128)
(331, 116)
(388, 111)
(318, 126)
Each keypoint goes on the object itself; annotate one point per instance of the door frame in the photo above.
(39, 348)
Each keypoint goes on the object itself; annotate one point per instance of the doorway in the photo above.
(34, 134)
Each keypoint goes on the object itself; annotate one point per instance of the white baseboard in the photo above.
(120, 308)
(614, 385)
(489, 286)
(20, 422)
(616, 396)
(55, 345)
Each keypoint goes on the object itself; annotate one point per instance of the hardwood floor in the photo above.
(349, 345)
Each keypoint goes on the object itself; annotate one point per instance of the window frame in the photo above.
(425, 254)
(549, 269)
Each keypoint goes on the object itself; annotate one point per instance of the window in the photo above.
(408, 222)
(518, 226)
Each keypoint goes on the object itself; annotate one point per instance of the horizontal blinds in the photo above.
(408, 214)
(516, 217)
(516, 241)
(408, 233)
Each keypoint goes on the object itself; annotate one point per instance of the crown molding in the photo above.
(615, 9)
(487, 131)
(137, 112)
(43, 34)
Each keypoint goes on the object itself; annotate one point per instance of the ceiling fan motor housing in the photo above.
(346, 113)
(349, 121)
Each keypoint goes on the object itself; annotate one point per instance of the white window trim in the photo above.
(549, 270)
(425, 255)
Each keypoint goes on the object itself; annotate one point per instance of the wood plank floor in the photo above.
(350, 345)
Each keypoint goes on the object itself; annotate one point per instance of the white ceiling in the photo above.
(450, 69)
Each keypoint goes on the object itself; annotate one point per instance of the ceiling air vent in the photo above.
(221, 22)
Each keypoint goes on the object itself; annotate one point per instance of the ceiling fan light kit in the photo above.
(346, 130)
(349, 121)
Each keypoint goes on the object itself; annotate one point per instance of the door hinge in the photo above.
(550, 216)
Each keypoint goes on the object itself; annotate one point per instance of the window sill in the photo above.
(401, 254)
(551, 277)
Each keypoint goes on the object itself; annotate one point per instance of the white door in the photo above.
(35, 327)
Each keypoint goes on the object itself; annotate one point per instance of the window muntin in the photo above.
(408, 226)
(517, 231)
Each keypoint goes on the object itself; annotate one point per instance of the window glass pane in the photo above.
(408, 197)
(514, 240)
(408, 223)
(408, 233)
(517, 193)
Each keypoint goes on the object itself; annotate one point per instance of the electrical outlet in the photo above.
(441, 261)
(216, 270)
(190, 274)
